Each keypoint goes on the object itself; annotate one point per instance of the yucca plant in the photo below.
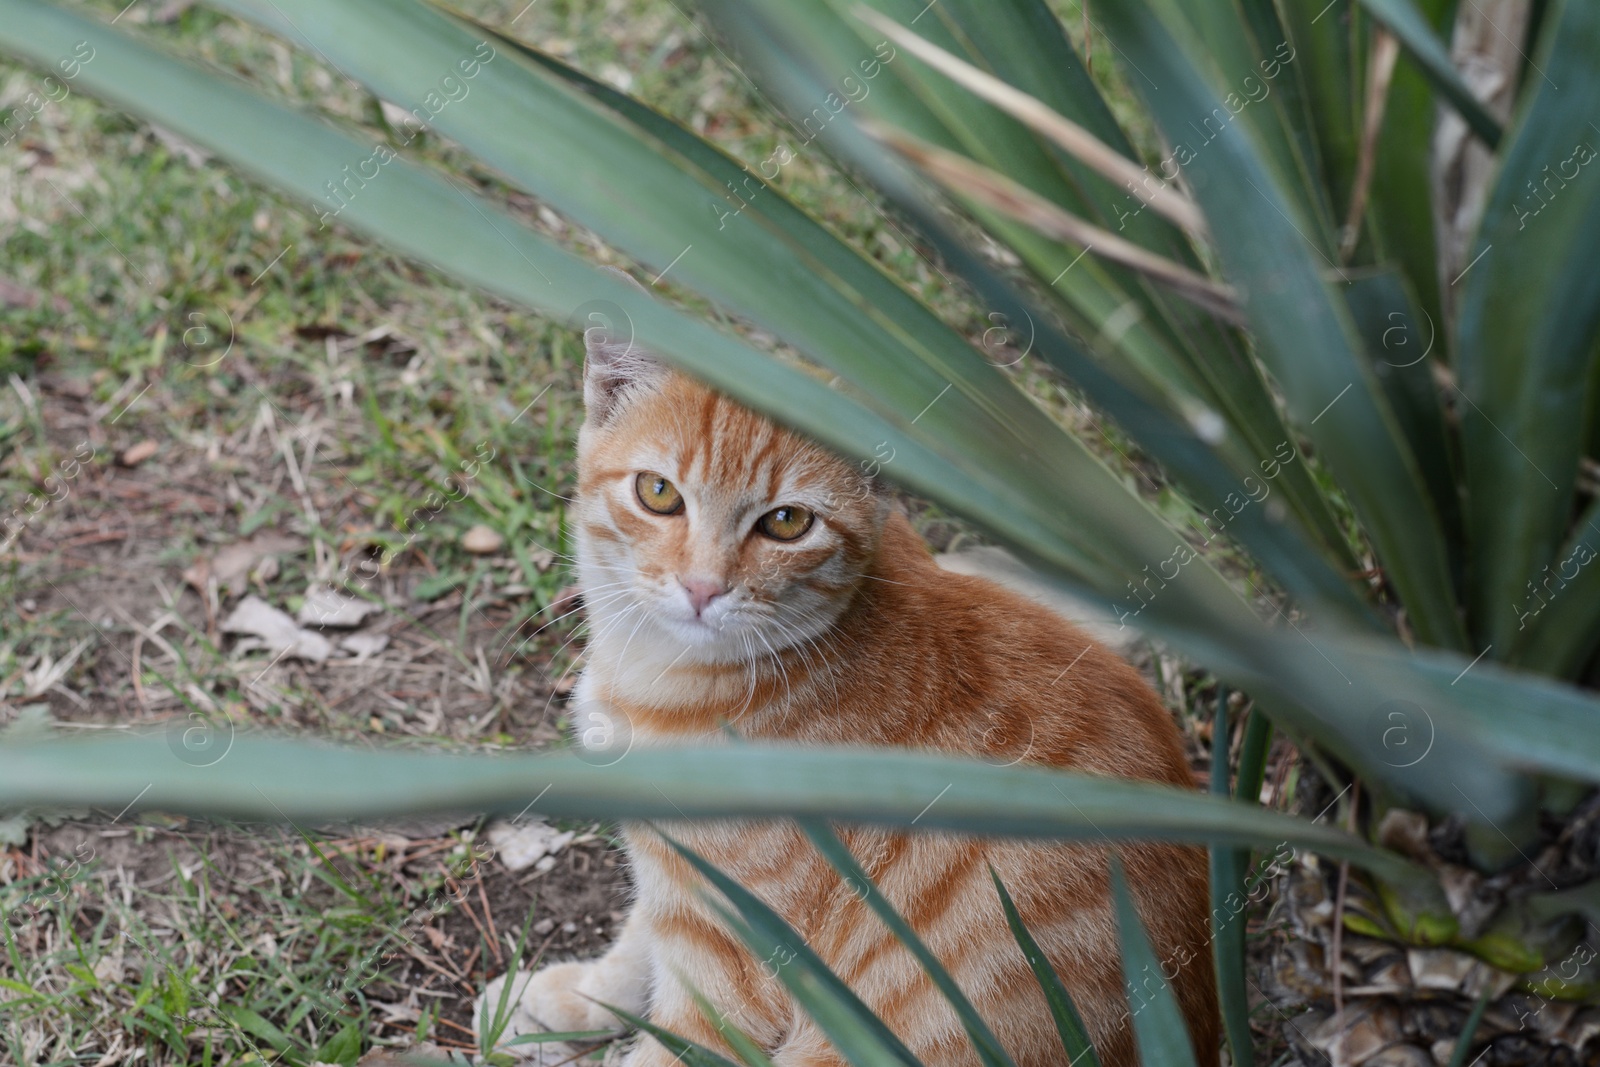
(1370, 380)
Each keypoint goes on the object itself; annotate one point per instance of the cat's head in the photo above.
(705, 526)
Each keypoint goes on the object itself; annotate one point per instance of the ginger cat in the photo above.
(739, 575)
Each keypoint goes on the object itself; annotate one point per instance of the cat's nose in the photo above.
(702, 591)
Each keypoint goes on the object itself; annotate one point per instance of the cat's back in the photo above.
(997, 674)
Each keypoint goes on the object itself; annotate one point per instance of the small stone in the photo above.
(546, 864)
(569, 928)
(544, 926)
(134, 455)
(521, 845)
(482, 540)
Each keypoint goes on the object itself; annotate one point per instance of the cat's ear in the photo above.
(615, 363)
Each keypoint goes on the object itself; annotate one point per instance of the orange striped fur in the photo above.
(848, 634)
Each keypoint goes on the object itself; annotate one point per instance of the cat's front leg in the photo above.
(563, 996)
(693, 953)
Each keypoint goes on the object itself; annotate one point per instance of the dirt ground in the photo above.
(122, 591)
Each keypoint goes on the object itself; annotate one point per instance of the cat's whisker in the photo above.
(612, 624)
(750, 690)
(621, 656)
(586, 630)
(801, 646)
(564, 615)
(586, 599)
(783, 670)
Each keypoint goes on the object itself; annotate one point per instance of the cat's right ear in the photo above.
(615, 363)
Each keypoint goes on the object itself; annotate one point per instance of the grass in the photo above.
(261, 944)
(298, 384)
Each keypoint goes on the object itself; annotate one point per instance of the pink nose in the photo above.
(702, 591)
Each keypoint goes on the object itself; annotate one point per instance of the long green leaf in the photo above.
(1529, 323)
(1227, 868)
(1303, 332)
(1400, 216)
(1069, 1024)
(454, 230)
(1157, 1023)
(989, 1049)
(691, 1053)
(743, 1045)
(1568, 628)
(1407, 23)
(274, 779)
(1250, 71)
(855, 1031)
(1328, 59)
(1401, 346)
(768, 263)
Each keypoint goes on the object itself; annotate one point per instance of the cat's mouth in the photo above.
(717, 624)
(697, 631)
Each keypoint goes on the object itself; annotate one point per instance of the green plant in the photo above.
(1398, 440)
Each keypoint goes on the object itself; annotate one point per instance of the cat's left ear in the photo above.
(615, 363)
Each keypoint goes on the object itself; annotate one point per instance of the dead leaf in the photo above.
(326, 606)
(364, 645)
(233, 564)
(276, 631)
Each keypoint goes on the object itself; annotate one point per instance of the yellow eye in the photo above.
(658, 494)
(786, 523)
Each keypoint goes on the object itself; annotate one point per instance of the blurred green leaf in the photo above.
(1069, 1024)
(989, 1049)
(1157, 1022)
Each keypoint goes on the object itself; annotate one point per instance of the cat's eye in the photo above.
(658, 494)
(787, 523)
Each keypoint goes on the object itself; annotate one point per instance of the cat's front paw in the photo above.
(557, 999)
